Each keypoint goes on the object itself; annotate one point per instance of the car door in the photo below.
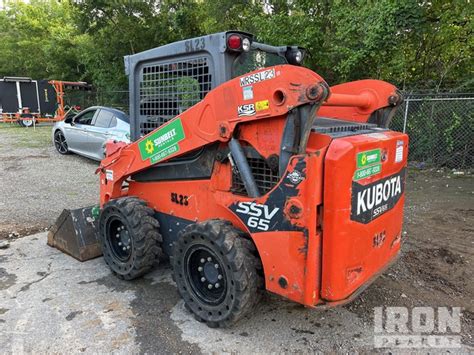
(76, 132)
(100, 132)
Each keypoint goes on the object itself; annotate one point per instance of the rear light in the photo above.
(234, 42)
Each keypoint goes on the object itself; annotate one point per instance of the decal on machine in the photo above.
(246, 110)
(257, 77)
(368, 157)
(368, 171)
(163, 142)
(109, 175)
(179, 199)
(295, 177)
(379, 239)
(399, 152)
(370, 201)
(368, 164)
(247, 92)
(258, 216)
(262, 105)
(269, 214)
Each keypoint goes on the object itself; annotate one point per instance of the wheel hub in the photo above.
(119, 239)
(60, 142)
(210, 272)
(206, 275)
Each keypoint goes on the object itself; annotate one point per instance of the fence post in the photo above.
(407, 102)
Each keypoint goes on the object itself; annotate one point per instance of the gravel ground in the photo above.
(37, 183)
(50, 302)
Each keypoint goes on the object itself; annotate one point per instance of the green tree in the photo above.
(39, 40)
(409, 43)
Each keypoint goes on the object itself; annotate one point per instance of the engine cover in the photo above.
(364, 184)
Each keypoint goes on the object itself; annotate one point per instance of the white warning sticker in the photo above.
(109, 175)
(247, 92)
(399, 152)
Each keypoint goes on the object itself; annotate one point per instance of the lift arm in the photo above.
(276, 91)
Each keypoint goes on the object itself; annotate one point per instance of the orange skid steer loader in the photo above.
(251, 173)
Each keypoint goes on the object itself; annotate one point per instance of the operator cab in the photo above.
(166, 81)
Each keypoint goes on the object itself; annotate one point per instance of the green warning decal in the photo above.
(163, 142)
(368, 171)
(368, 164)
(368, 157)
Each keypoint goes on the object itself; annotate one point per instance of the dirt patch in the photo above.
(37, 183)
(435, 268)
(12, 232)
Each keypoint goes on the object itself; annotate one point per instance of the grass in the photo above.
(21, 137)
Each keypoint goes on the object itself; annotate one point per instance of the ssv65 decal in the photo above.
(370, 201)
(258, 216)
(269, 215)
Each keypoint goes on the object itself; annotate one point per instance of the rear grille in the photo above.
(265, 178)
(331, 125)
(169, 88)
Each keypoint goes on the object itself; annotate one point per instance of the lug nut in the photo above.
(200, 268)
(117, 235)
(203, 279)
(128, 246)
(120, 243)
(209, 259)
(217, 285)
(216, 266)
(203, 261)
(124, 248)
(209, 286)
(118, 229)
(219, 277)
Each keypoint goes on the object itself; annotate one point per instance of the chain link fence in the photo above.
(440, 127)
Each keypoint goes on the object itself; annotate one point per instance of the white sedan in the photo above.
(86, 132)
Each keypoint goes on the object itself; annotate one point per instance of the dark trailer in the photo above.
(26, 101)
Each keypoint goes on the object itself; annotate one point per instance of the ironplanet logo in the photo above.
(372, 200)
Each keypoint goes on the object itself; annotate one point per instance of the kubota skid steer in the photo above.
(251, 173)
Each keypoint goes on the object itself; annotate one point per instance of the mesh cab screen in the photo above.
(168, 89)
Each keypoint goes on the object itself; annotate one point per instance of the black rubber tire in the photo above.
(59, 148)
(143, 229)
(22, 124)
(242, 271)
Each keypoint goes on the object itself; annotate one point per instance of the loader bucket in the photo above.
(75, 233)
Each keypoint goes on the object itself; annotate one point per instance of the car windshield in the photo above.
(253, 60)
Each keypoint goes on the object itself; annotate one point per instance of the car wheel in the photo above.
(60, 143)
(217, 272)
(130, 238)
